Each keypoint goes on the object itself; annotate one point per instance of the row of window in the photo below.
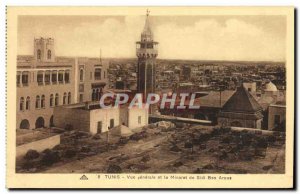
(40, 101)
(45, 77)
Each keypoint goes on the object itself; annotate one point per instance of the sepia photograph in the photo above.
(150, 95)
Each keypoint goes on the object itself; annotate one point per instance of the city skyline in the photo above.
(236, 38)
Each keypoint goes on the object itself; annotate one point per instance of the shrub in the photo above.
(50, 157)
(114, 169)
(70, 153)
(31, 155)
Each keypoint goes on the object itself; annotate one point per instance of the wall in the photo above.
(78, 118)
(39, 145)
(243, 122)
(133, 114)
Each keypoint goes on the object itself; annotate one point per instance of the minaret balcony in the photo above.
(146, 53)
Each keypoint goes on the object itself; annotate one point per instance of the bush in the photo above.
(114, 169)
(50, 157)
(70, 153)
(27, 165)
(31, 155)
(261, 142)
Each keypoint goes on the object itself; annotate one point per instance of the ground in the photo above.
(165, 149)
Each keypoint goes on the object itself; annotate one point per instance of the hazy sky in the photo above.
(179, 37)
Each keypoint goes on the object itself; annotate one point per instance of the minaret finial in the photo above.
(148, 12)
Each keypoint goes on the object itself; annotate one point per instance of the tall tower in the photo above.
(44, 49)
(146, 51)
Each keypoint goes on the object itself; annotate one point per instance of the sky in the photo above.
(247, 38)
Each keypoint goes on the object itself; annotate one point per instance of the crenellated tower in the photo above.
(146, 51)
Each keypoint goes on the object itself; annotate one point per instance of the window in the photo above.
(37, 101)
(104, 74)
(39, 53)
(27, 107)
(25, 78)
(277, 119)
(67, 76)
(21, 103)
(139, 120)
(94, 95)
(249, 89)
(18, 79)
(49, 54)
(54, 77)
(99, 127)
(69, 98)
(43, 101)
(111, 123)
(61, 77)
(97, 74)
(81, 88)
(65, 98)
(56, 100)
(51, 100)
(81, 75)
(40, 78)
(47, 77)
(81, 98)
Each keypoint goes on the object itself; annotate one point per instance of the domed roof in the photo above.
(270, 87)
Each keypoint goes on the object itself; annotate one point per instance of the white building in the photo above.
(90, 117)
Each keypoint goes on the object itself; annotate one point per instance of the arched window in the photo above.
(69, 98)
(39, 53)
(65, 98)
(51, 100)
(43, 101)
(49, 54)
(21, 103)
(81, 75)
(56, 99)
(37, 101)
(27, 103)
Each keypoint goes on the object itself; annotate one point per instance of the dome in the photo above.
(270, 87)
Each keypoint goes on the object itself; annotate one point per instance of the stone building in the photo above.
(92, 118)
(45, 81)
(241, 110)
(276, 117)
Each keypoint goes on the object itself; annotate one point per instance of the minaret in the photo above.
(146, 52)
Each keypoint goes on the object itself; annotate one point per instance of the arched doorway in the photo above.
(25, 124)
(51, 121)
(236, 124)
(40, 122)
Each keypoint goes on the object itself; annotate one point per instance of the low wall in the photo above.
(39, 145)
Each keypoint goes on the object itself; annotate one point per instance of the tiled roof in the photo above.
(241, 101)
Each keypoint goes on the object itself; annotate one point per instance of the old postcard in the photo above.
(150, 97)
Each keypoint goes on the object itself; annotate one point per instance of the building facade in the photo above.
(45, 81)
